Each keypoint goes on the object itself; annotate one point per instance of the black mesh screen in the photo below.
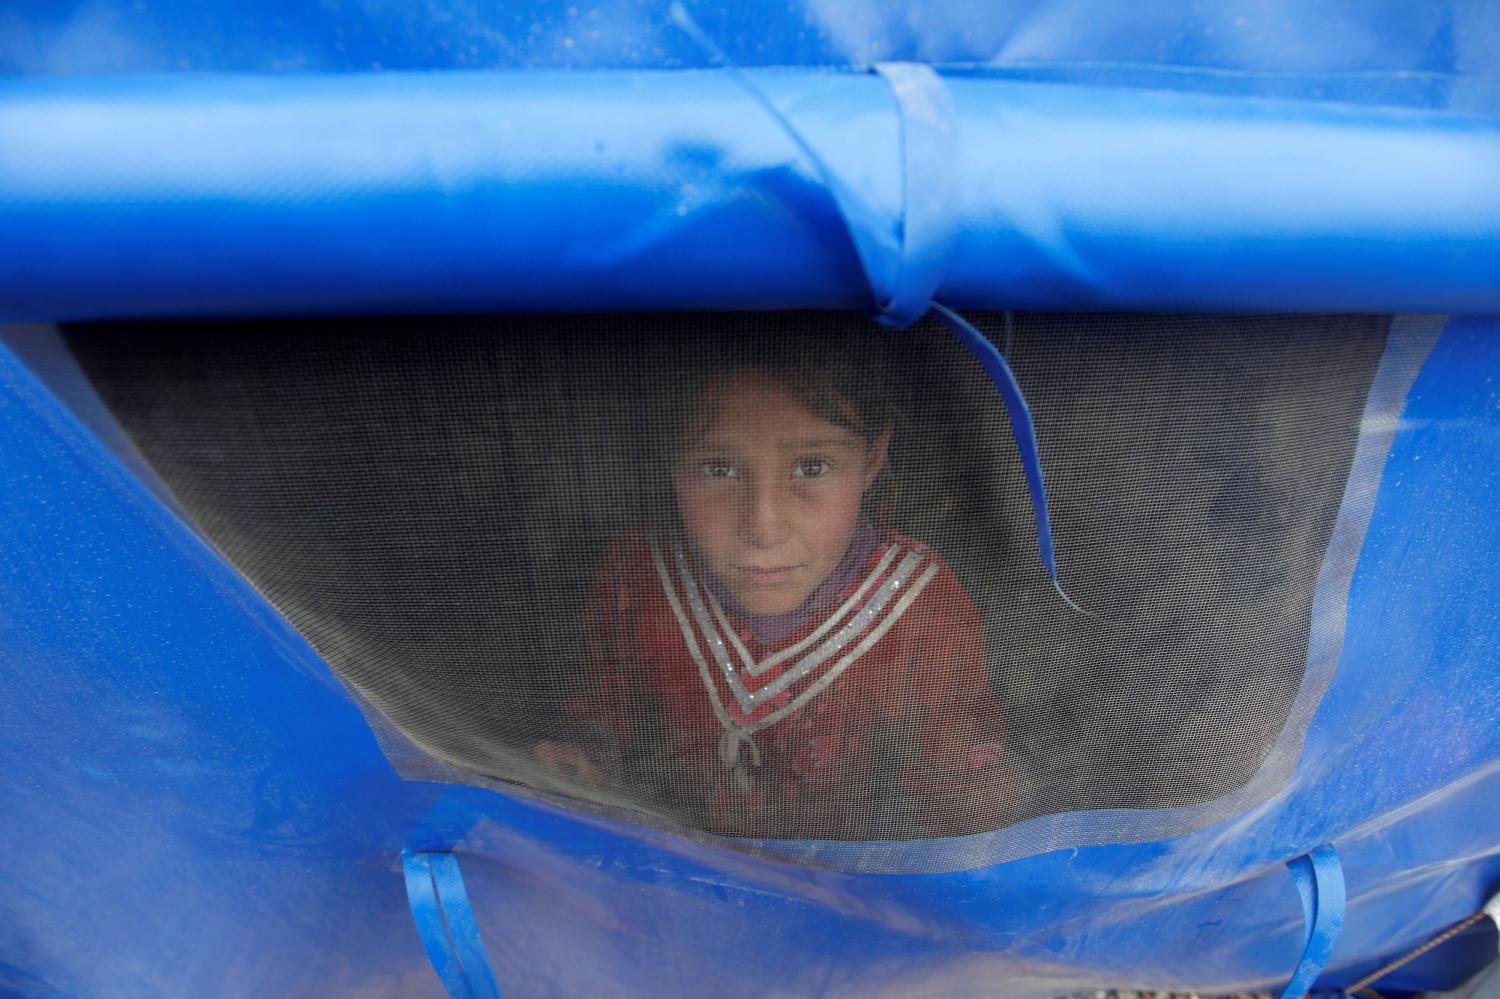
(776, 575)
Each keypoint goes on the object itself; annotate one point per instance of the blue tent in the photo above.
(193, 803)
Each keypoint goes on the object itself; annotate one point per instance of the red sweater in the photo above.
(873, 720)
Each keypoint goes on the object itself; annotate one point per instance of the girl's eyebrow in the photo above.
(797, 443)
(819, 442)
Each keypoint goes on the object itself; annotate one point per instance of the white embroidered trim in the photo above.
(755, 668)
(692, 642)
(861, 619)
(875, 635)
(858, 623)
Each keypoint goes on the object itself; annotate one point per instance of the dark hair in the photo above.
(837, 368)
(831, 375)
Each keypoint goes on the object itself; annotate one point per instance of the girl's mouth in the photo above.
(767, 575)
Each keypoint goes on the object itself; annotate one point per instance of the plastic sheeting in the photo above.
(195, 806)
(1436, 54)
(598, 191)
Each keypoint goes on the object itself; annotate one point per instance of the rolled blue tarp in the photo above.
(612, 190)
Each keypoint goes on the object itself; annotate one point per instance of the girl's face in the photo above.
(770, 492)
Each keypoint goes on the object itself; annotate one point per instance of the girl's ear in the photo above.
(877, 457)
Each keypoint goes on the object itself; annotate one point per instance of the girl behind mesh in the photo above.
(774, 661)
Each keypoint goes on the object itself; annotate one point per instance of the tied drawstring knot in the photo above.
(730, 743)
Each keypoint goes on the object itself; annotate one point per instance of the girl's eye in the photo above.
(812, 468)
(718, 470)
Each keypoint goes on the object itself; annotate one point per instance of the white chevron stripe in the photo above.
(757, 668)
(746, 698)
(866, 619)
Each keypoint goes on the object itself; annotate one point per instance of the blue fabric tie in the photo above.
(1320, 881)
(929, 198)
(1021, 428)
(445, 922)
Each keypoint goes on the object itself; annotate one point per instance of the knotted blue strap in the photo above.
(1320, 881)
(445, 922)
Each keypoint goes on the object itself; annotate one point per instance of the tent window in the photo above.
(775, 575)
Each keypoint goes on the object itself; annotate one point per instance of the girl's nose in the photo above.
(763, 519)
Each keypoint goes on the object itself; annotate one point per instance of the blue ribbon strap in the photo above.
(445, 922)
(929, 196)
(1021, 428)
(1320, 882)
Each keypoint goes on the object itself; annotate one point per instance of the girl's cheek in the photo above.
(829, 515)
(705, 512)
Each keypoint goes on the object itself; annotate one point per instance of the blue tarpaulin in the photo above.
(192, 802)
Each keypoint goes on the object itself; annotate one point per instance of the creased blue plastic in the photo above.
(1438, 53)
(876, 243)
(445, 921)
(590, 191)
(1320, 883)
(903, 278)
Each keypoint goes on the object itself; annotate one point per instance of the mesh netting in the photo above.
(776, 576)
